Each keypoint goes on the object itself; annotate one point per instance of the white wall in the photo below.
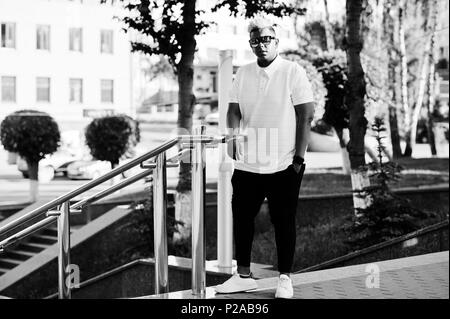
(26, 63)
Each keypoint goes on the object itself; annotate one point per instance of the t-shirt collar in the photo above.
(271, 68)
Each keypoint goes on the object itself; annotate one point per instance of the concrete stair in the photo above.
(29, 247)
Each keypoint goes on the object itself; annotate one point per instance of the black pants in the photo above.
(281, 190)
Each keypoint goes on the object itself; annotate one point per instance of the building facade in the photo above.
(67, 58)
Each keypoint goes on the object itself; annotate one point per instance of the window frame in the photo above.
(39, 36)
(14, 92)
(47, 88)
(71, 88)
(110, 99)
(6, 26)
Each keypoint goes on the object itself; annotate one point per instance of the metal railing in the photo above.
(60, 210)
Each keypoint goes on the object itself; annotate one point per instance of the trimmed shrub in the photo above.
(110, 137)
(32, 134)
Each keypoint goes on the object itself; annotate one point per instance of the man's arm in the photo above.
(233, 122)
(304, 114)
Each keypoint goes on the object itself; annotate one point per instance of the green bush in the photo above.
(333, 67)
(110, 137)
(388, 216)
(32, 134)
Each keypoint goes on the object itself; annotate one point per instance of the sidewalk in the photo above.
(418, 277)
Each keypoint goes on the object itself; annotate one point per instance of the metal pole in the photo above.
(64, 251)
(224, 188)
(198, 211)
(160, 227)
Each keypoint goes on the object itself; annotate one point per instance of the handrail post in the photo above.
(160, 227)
(224, 188)
(198, 210)
(64, 251)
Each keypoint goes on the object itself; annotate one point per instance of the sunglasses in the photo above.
(264, 40)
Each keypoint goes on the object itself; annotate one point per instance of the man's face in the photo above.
(264, 51)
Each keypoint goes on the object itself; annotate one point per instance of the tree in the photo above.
(328, 27)
(33, 135)
(430, 12)
(389, 30)
(333, 67)
(170, 28)
(388, 216)
(355, 94)
(108, 138)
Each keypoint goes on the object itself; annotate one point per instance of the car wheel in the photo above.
(46, 174)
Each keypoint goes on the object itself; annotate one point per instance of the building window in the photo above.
(8, 89)
(106, 41)
(76, 91)
(213, 82)
(107, 91)
(43, 37)
(42, 89)
(76, 39)
(8, 35)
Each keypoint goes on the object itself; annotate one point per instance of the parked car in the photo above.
(72, 148)
(87, 169)
(92, 169)
(50, 165)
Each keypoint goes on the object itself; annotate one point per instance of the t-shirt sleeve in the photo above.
(301, 88)
(234, 92)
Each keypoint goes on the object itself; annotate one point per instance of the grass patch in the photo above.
(416, 173)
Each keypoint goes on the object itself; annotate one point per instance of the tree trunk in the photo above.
(328, 29)
(404, 78)
(431, 28)
(33, 171)
(354, 97)
(342, 135)
(186, 102)
(420, 96)
(431, 81)
(116, 179)
(389, 32)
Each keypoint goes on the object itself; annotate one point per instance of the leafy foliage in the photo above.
(316, 81)
(252, 7)
(108, 138)
(30, 133)
(388, 215)
(333, 67)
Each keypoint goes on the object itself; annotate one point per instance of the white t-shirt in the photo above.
(266, 98)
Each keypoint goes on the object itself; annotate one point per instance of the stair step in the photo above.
(43, 239)
(9, 263)
(50, 232)
(32, 247)
(18, 254)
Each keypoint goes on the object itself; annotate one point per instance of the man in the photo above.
(271, 101)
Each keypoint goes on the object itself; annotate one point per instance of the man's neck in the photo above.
(266, 63)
